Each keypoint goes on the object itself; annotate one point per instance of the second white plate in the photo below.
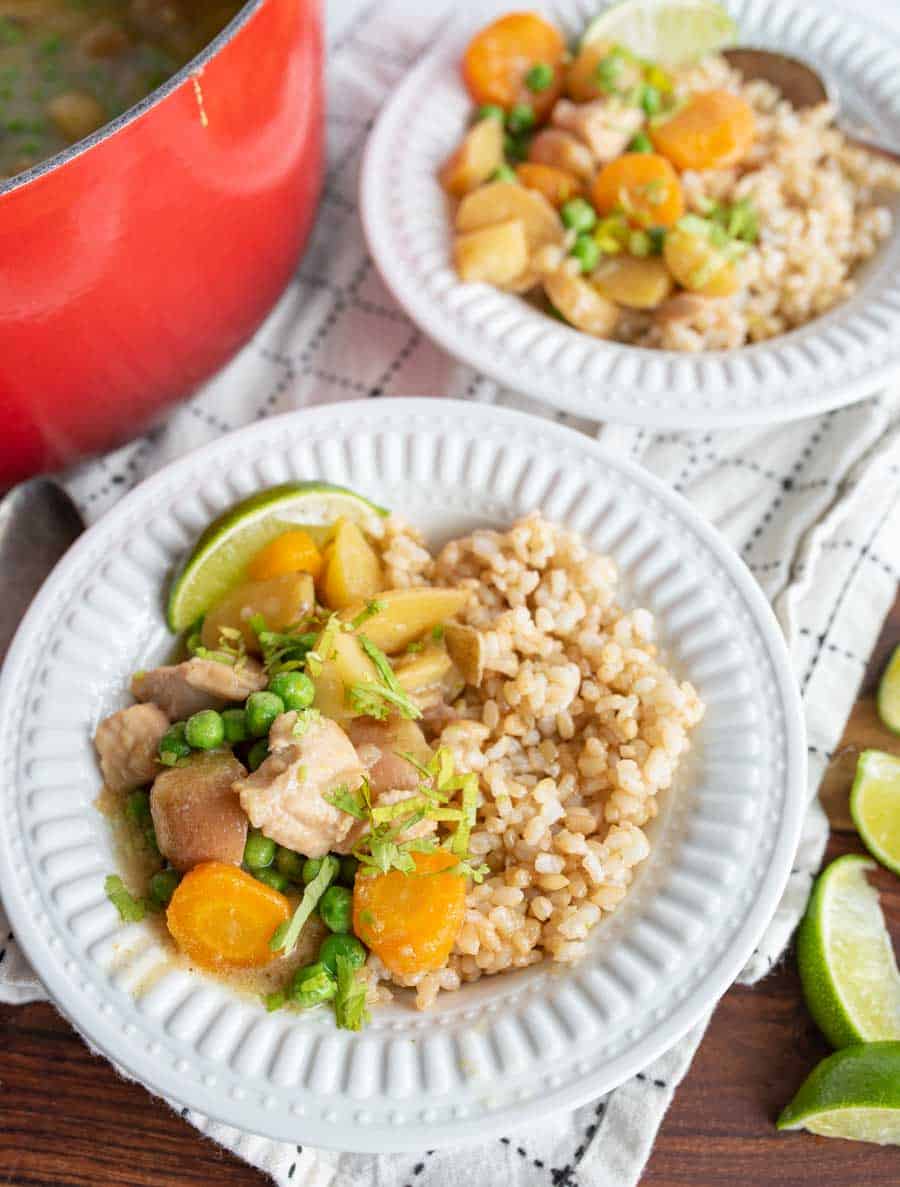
(849, 353)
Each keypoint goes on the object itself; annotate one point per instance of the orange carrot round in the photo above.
(644, 186)
(293, 551)
(557, 185)
(410, 921)
(221, 917)
(499, 57)
(712, 131)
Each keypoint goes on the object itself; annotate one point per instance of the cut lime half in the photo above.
(875, 806)
(225, 548)
(670, 32)
(845, 957)
(852, 1094)
(889, 693)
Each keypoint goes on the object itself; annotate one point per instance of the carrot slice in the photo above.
(293, 551)
(410, 921)
(557, 185)
(220, 916)
(644, 186)
(713, 131)
(499, 57)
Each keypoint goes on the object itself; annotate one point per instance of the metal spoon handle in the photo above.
(871, 146)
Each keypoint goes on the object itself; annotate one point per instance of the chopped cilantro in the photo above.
(372, 608)
(354, 803)
(131, 909)
(274, 1001)
(350, 1000)
(437, 632)
(286, 935)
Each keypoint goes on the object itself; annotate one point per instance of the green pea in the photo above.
(640, 143)
(204, 730)
(137, 807)
(586, 251)
(162, 886)
(342, 945)
(312, 985)
(651, 100)
(503, 173)
(259, 851)
(349, 866)
(539, 77)
(272, 878)
(311, 868)
(578, 215)
(515, 148)
(257, 754)
(520, 118)
(262, 708)
(336, 908)
(235, 723)
(289, 863)
(295, 689)
(490, 111)
(173, 745)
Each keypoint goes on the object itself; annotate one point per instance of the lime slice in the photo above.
(670, 32)
(875, 805)
(889, 693)
(853, 1094)
(847, 965)
(224, 549)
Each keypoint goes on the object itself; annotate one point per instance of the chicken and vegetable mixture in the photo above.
(684, 209)
(69, 66)
(374, 767)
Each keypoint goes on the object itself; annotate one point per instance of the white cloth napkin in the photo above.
(811, 507)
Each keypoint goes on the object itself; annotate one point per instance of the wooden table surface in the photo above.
(66, 1119)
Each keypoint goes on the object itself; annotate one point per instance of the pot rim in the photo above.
(137, 110)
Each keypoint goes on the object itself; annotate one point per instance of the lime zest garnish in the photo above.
(284, 938)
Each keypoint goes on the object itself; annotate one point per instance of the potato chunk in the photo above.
(562, 150)
(282, 601)
(502, 201)
(476, 158)
(639, 283)
(580, 304)
(699, 265)
(406, 614)
(347, 665)
(196, 815)
(495, 255)
(352, 569)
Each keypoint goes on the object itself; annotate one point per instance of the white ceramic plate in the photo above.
(507, 1048)
(843, 356)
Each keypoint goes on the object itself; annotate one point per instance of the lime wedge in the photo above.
(889, 693)
(875, 805)
(854, 1093)
(847, 965)
(669, 32)
(224, 549)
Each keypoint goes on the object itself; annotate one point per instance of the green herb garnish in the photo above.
(131, 909)
(350, 1000)
(286, 935)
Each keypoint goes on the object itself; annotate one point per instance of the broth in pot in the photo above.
(67, 67)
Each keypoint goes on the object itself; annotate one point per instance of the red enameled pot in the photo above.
(133, 265)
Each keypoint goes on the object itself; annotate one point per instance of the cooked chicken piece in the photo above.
(183, 689)
(127, 743)
(196, 815)
(286, 796)
(563, 151)
(381, 746)
(604, 125)
(684, 307)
